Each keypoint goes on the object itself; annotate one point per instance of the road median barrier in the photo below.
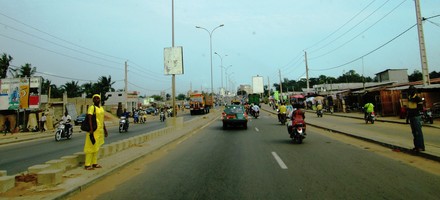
(51, 173)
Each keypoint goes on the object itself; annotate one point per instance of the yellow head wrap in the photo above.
(96, 95)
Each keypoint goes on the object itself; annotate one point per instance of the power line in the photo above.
(60, 38)
(8, 26)
(366, 53)
(352, 18)
(333, 50)
(352, 27)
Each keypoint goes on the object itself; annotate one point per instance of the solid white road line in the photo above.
(257, 129)
(278, 159)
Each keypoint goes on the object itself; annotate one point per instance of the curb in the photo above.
(391, 146)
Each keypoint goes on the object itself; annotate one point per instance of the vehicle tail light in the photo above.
(231, 116)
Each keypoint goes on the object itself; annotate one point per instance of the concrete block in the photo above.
(3, 173)
(101, 153)
(57, 164)
(71, 161)
(49, 177)
(6, 183)
(125, 144)
(81, 157)
(38, 168)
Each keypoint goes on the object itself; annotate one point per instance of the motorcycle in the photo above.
(297, 130)
(319, 113)
(371, 117)
(63, 132)
(282, 118)
(123, 124)
(427, 116)
(162, 116)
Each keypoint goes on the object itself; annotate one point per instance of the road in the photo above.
(262, 163)
(16, 158)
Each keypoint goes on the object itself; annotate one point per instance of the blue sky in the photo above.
(81, 40)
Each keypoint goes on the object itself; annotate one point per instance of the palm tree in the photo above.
(25, 70)
(105, 85)
(72, 89)
(4, 64)
(45, 84)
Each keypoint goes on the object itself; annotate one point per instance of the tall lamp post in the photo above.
(210, 49)
(221, 66)
(226, 77)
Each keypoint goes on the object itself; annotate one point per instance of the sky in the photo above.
(82, 40)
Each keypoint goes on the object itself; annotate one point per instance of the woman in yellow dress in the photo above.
(91, 149)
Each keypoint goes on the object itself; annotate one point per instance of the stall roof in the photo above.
(432, 86)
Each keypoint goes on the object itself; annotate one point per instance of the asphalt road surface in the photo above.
(262, 163)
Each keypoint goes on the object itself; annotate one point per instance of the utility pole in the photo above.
(173, 80)
(125, 85)
(424, 60)
(268, 87)
(307, 71)
(281, 87)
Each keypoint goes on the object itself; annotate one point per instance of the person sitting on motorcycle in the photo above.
(368, 109)
(282, 109)
(319, 106)
(297, 116)
(66, 121)
(126, 115)
(255, 109)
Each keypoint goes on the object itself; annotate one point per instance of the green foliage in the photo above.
(157, 97)
(4, 64)
(181, 97)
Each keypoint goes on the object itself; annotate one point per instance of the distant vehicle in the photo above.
(80, 119)
(200, 103)
(254, 99)
(150, 110)
(234, 115)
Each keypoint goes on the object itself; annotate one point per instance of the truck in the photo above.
(254, 99)
(200, 103)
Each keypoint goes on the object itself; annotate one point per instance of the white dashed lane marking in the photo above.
(278, 159)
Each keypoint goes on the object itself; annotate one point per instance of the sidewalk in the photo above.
(400, 142)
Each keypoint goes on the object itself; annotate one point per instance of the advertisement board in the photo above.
(173, 60)
(257, 85)
(20, 93)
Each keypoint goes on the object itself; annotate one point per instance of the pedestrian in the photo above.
(415, 105)
(42, 122)
(7, 126)
(91, 148)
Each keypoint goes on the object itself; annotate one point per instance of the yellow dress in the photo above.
(99, 132)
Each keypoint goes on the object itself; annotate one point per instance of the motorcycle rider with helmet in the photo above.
(297, 116)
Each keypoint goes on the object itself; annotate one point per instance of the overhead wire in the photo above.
(331, 34)
(372, 51)
(346, 32)
(365, 30)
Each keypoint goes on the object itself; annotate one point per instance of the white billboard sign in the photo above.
(173, 60)
(257, 85)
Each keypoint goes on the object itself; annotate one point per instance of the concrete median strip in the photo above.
(53, 173)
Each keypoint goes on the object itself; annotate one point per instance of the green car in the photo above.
(234, 115)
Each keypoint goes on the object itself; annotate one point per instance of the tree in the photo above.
(25, 70)
(45, 85)
(415, 76)
(72, 89)
(434, 74)
(157, 97)
(103, 86)
(4, 64)
(181, 97)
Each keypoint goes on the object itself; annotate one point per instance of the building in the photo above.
(393, 75)
(114, 98)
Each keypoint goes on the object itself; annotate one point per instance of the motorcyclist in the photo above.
(298, 116)
(319, 107)
(368, 109)
(255, 108)
(66, 121)
(282, 109)
(126, 115)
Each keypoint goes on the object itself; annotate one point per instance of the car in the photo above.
(80, 119)
(234, 115)
(150, 110)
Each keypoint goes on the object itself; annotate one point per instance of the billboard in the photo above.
(20, 93)
(173, 60)
(257, 85)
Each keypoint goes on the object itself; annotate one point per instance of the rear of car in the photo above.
(234, 115)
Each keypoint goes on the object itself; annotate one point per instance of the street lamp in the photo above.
(221, 66)
(210, 50)
(226, 77)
